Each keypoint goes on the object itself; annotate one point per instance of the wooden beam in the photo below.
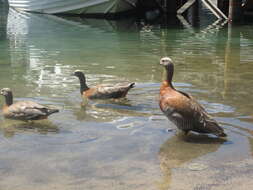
(216, 11)
(186, 6)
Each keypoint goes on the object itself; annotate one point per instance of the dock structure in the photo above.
(186, 6)
(209, 4)
(178, 7)
(231, 10)
(235, 10)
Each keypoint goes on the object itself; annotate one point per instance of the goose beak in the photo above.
(161, 62)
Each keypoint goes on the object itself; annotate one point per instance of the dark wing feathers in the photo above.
(192, 116)
(108, 89)
(203, 122)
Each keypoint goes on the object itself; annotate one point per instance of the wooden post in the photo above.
(235, 11)
(193, 14)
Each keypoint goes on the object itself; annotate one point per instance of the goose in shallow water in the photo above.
(182, 109)
(24, 110)
(102, 91)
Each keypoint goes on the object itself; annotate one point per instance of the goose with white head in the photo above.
(182, 109)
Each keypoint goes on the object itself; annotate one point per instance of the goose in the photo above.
(182, 109)
(24, 110)
(102, 91)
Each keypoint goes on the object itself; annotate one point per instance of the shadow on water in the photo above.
(181, 149)
(12, 127)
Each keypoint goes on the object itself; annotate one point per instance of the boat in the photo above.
(79, 7)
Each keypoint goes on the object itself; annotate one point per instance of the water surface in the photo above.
(124, 144)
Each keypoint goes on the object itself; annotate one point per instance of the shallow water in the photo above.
(123, 144)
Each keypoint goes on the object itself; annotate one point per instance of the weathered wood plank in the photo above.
(186, 6)
(210, 5)
(215, 10)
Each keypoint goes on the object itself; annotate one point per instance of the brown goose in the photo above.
(102, 91)
(24, 110)
(180, 108)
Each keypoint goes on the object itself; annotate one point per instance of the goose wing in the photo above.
(27, 110)
(108, 89)
(188, 114)
(112, 91)
(201, 120)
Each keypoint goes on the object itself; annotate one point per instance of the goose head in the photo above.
(166, 62)
(5, 92)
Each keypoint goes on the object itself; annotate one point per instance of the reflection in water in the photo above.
(3, 20)
(4, 55)
(181, 149)
(108, 111)
(235, 80)
(232, 56)
(48, 59)
(11, 127)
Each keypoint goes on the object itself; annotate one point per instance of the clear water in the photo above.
(123, 144)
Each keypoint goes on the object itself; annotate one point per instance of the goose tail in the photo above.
(216, 129)
(51, 111)
(132, 85)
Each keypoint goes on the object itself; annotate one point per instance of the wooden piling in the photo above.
(194, 12)
(235, 11)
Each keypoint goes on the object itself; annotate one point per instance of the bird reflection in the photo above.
(107, 111)
(12, 127)
(181, 149)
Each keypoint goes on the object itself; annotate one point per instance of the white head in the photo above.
(5, 91)
(166, 61)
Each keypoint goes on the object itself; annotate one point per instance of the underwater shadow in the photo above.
(196, 138)
(11, 127)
